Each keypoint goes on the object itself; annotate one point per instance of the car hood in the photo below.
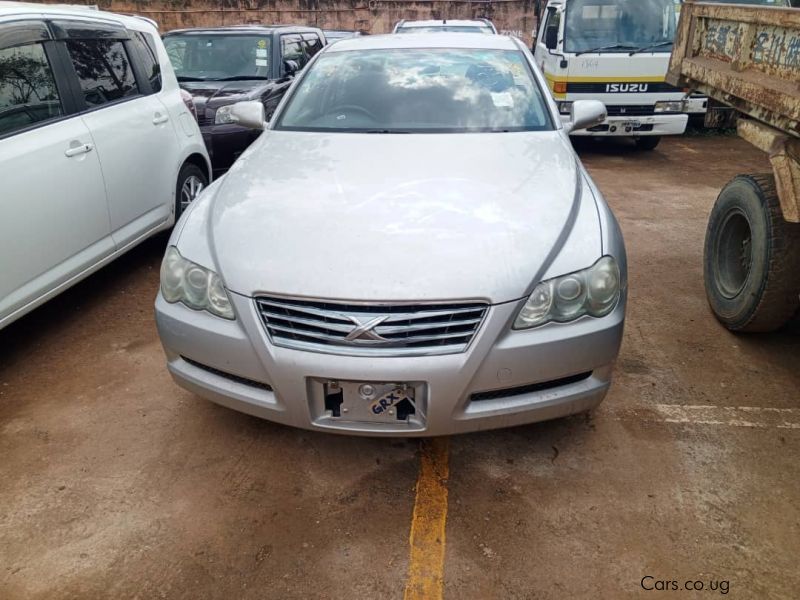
(399, 217)
(217, 93)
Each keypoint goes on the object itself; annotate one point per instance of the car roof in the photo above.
(70, 10)
(445, 22)
(244, 29)
(479, 41)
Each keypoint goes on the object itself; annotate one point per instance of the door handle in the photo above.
(78, 149)
(159, 119)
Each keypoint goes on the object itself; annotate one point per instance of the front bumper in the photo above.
(637, 126)
(233, 363)
(225, 143)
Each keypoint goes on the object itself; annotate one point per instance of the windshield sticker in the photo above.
(261, 53)
(503, 99)
(261, 62)
(262, 44)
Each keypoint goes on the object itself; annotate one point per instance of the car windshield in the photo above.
(441, 28)
(418, 91)
(213, 57)
(619, 25)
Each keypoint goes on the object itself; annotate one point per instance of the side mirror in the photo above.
(248, 114)
(585, 114)
(551, 38)
(291, 67)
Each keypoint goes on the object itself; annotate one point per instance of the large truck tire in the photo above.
(752, 257)
(647, 142)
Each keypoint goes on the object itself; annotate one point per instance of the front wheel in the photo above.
(751, 257)
(648, 142)
(191, 181)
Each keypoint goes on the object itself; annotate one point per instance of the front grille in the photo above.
(370, 329)
(205, 117)
(630, 110)
(528, 389)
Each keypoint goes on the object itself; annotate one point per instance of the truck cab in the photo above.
(615, 51)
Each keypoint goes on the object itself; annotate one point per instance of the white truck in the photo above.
(615, 51)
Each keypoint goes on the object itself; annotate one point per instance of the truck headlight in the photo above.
(223, 115)
(193, 285)
(593, 291)
(669, 106)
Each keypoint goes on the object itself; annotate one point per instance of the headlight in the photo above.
(669, 106)
(593, 291)
(193, 285)
(223, 115)
(564, 107)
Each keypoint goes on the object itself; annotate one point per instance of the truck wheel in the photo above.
(191, 181)
(648, 142)
(752, 257)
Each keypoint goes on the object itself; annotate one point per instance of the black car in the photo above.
(223, 65)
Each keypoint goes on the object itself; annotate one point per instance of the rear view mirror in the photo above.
(248, 114)
(551, 38)
(585, 114)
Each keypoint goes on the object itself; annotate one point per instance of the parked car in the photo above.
(442, 25)
(97, 149)
(411, 248)
(223, 65)
(334, 35)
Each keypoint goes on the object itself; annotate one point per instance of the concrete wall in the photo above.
(372, 16)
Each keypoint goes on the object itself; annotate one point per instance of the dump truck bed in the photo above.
(749, 58)
(745, 56)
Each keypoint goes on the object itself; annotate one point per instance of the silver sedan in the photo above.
(411, 248)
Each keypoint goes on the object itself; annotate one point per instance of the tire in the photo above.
(752, 257)
(191, 181)
(648, 142)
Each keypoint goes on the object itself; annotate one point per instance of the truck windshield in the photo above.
(197, 57)
(761, 2)
(619, 25)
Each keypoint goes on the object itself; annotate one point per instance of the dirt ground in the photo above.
(115, 483)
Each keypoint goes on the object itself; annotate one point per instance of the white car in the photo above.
(446, 25)
(98, 149)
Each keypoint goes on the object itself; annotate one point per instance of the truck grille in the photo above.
(630, 110)
(370, 329)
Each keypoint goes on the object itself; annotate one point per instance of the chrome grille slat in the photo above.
(407, 330)
(380, 329)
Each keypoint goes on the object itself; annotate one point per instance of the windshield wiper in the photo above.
(650, 47)
(242, 78)
(609, 47)
(184, 78)
(385, 131)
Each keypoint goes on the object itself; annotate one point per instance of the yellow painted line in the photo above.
(425, 580)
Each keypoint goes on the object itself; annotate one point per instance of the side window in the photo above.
(104, 70)
(147, 50)
(312, 44)
(28, 93)
(291, 49)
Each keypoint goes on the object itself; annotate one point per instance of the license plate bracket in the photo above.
(373, 402)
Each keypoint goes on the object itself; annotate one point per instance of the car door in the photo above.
(54, 221)
(135, 140)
